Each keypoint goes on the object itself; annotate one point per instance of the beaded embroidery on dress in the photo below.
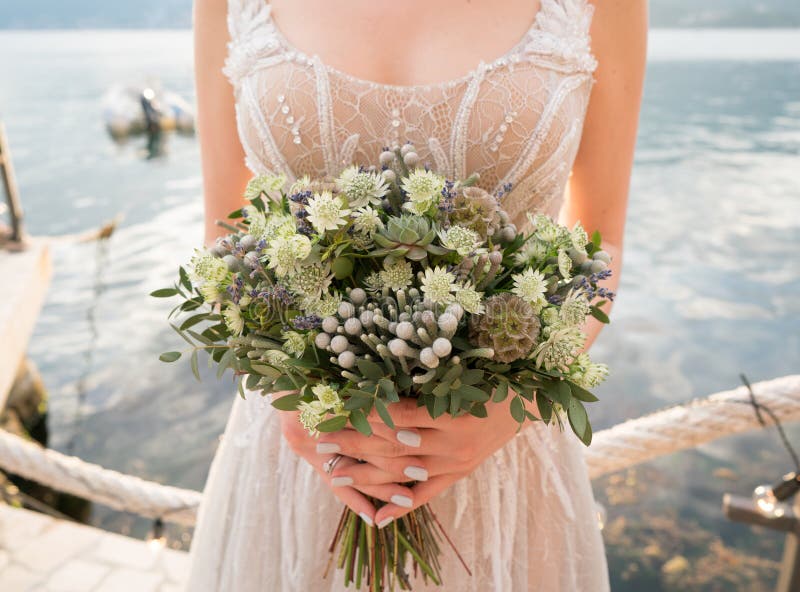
(525, 519)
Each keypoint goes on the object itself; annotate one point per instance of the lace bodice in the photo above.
(516, 119)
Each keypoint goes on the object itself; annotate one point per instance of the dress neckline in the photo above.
(506, 57)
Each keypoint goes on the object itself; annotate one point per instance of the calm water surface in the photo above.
(710, 285)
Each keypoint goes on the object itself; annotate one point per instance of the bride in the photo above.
(307, 86)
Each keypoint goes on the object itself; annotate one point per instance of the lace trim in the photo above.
(273, 153)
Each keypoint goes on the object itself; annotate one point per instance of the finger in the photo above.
(378, 470)
(354, 499)
(409, 436)
(422, 493)
(356, 445)
(405, 413)
(393, 493)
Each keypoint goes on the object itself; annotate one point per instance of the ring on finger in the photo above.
(330, 464)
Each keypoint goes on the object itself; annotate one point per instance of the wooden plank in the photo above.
(25, 279)
(10, 186)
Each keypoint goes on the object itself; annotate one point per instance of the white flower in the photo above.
(460, 239)
(326, 212)
(438, 284)
(373, 282)
(530, 285)
(311, 415)
(470, 299)
(586, 373)
(275, 357)
(550, 316)
(366, 221)
(210, 292)
(424, 190)
(209, 268)
(285, 253)
(544, 228)
(396, 275)
(268, 226)
(559, 349)
(301, 184)
(264, 184)
(294, 343)
(573, 311)
(361, 188)
(327, 395)
(564, 264)
(232, 314)
(533, 251)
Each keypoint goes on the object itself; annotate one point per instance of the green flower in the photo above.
(361, 188)
(327, 395)
(559, 349)
(264, 184)
(232, 314)
(294, 343)
(460, 239)
(579, 238)
(573, 309)
(276, 358)
(311, 415)
(544, 228)
(268, 226)
(373, 282)
(366, 221)
(470, 299)
(326, 212)
(310, 280)
(209, 268)
(530, 285)
(533, 251)
(424, 189)
(564, 264)
(285, 253)
(396, 275)
(438, 285)
(211, 292)
(323, 307)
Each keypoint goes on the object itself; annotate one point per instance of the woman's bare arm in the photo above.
(222, 157)
(598, 188)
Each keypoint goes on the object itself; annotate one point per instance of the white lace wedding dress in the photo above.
(525, 519)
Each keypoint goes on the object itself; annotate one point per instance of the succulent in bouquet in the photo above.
(393, 281)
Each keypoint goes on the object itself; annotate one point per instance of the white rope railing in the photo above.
(624, 445)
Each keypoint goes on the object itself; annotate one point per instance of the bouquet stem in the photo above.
(379, 557)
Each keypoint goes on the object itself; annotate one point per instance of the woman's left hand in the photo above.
(434, 453)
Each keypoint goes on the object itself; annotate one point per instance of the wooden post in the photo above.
(740, 509)
(10, 186)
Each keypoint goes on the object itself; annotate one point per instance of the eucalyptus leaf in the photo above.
(193, 363)
(359, 422)
(380, 406)
(501, 392)
(439, 406)
(369, 369)
(599, 315)
(334, 424)
(579, 421)
(286, 402)
(545, 407)
(164, 293)
(478, 410)
(582, 394)
(169, 356)
(471, 393)
(518, 409)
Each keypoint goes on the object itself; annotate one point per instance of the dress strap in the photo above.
(251, 35)
(563, 27)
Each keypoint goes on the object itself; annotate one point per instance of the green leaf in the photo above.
(193, 363)
(185, 281)
(164, 293)
(582, 394)
(169, 356)
(599, 315)
(334, 424)
(359, 422)
(478, 410)
(545, 408)
(370, 369)
(380, 406)
(283, 383)
(387, 386)
(472, 376)
(560, 392)
(471, 393)
(252, 381)
(579, 421)
(518, 409)
(596, 238)
(286, 402)
(439, 406)
(224, 361)
(356, 403)
(501, 392)
(201, 338)
(455, 402)
(193, 320)
(442, 389)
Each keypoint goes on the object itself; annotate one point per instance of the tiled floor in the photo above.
(43, 554)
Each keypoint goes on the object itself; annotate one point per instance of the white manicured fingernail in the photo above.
(341, 481)
(366, 518)
(402, 500)
(327, 448)
(409, 438)
(385, 522)
(416, 473)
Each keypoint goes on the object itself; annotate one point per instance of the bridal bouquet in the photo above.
(395, 282)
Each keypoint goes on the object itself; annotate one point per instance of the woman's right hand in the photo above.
(305, 446)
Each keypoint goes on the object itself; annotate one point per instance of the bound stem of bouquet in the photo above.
(378, 556)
